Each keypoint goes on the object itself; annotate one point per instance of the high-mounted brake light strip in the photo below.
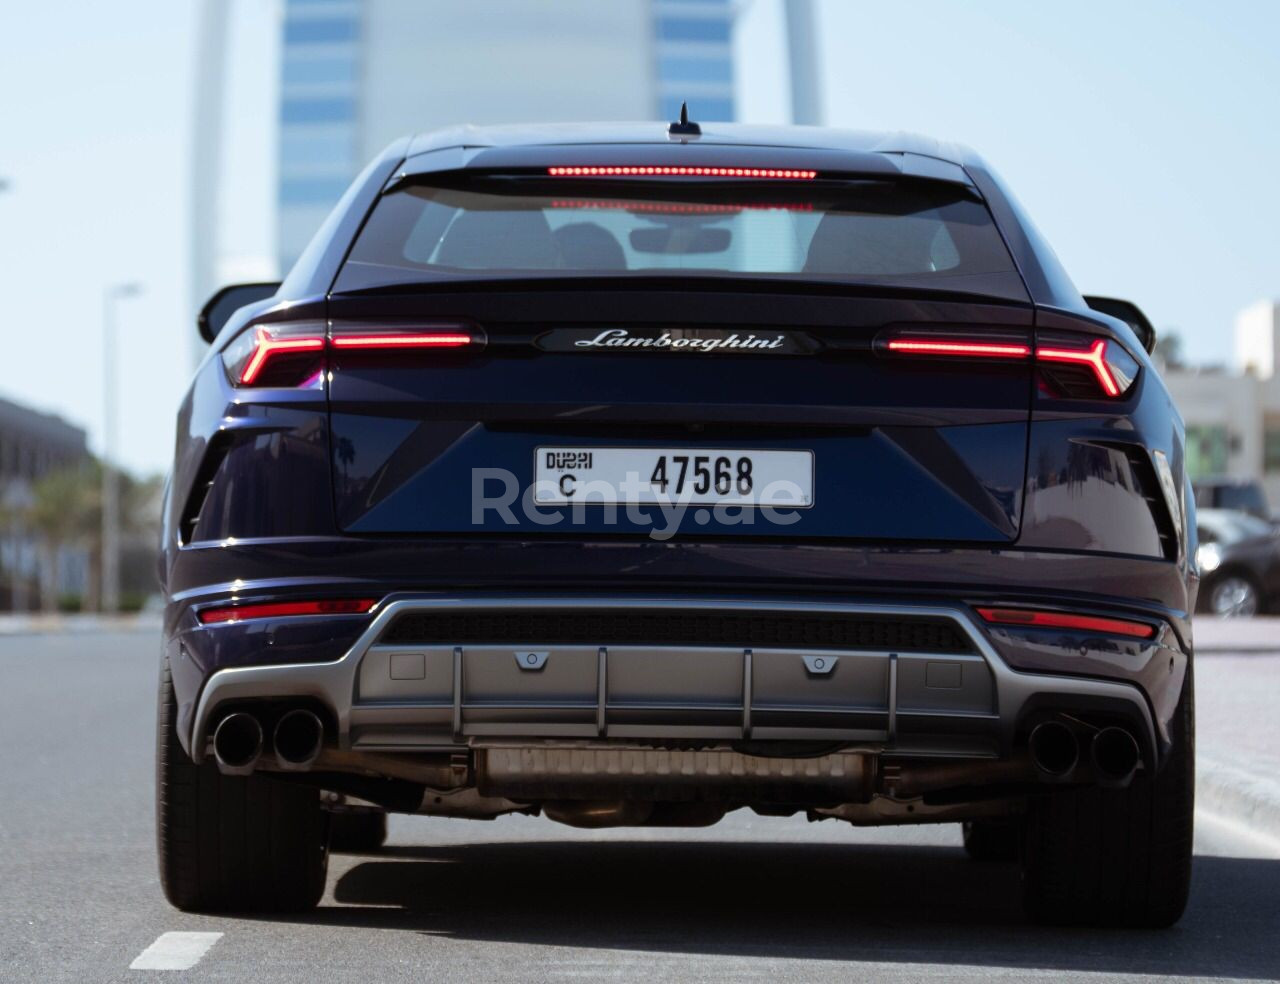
(265, 346)
(678, 171)
(282, 609)
(1033, 618)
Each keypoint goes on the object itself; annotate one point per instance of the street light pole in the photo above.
(802, 54)
(110, 476)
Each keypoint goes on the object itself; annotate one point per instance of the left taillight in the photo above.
(287, 354)
(296, 354)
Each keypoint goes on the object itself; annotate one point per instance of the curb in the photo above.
(26, 625)
(1229, 791)
(1260, 634)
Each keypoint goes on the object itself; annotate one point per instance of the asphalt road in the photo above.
(523, 899)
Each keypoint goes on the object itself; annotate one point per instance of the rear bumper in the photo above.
(961, 699)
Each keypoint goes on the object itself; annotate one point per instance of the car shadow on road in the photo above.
(927, 905)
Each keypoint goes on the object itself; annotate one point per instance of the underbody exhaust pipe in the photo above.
(237, 744)
(1054, 748)
(299, 736)
(593, 814)
(1115, 756)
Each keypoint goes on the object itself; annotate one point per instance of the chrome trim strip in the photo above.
(602, 691)
(893, 697)
(457, 693)
(334, 683)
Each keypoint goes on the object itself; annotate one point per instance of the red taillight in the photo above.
(1034, 618)
(281, 609)
(678, 171)
(994, 350)
(1106, 367)
(403, 340)
(268, 347)
(292, 354)
(1095, 357)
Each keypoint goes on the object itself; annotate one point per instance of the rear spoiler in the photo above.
(837, 164)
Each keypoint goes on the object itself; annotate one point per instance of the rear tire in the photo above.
(1116, 857)
(233, 844)
(357, 831)
(991, 840)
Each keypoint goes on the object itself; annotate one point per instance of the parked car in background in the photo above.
(1239, 560)
(1243, 494)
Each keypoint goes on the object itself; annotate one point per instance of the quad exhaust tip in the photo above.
(1113, 752)
(298, 739)
(1054, 748)
(237, 744)
(1115, 756)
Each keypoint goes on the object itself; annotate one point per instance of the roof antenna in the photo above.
(684, 128)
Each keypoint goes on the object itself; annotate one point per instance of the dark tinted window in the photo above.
(1245, 496)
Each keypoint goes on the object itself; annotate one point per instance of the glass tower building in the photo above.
(693, 58)
(356, 74)
(319, 96)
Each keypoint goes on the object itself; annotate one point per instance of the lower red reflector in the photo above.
(281, 609)
(1066, 620)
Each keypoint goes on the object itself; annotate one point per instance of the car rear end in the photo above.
(636, 483)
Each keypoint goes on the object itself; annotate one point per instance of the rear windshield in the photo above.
(874, 231)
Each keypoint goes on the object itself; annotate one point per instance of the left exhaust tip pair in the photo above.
(239, 742)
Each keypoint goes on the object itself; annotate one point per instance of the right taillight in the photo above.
(1078, 367)
(1075, 367)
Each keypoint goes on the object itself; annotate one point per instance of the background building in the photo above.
(1233, 415)
(32, 446)
(356, 74)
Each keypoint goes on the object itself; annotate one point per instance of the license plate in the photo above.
(690, 476)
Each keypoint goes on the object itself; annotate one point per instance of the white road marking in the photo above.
(175, 951)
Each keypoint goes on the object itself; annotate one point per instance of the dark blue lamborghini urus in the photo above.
(630, 475)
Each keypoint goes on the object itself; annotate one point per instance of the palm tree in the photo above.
(65, 511)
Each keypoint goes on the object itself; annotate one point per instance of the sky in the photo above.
(1141, 136)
